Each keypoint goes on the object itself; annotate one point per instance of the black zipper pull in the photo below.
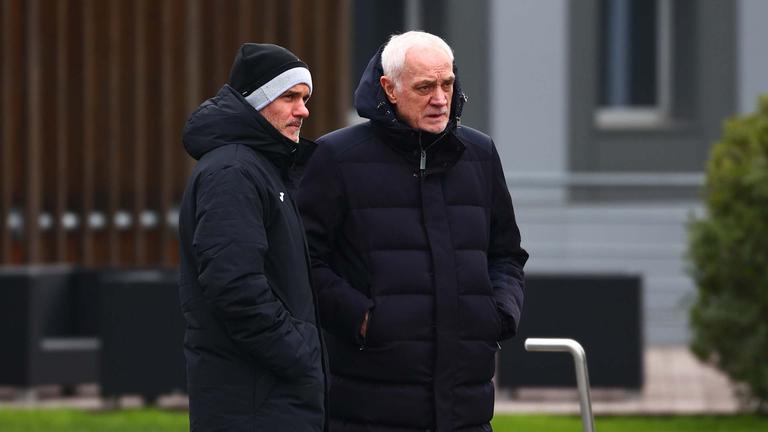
(422, 159)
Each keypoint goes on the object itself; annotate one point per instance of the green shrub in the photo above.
(729, 257)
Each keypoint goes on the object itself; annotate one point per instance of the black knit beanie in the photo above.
(271, 69)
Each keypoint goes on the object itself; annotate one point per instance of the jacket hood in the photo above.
(371, 102)
(227, 118)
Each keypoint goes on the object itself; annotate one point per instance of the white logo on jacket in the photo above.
(281, 196)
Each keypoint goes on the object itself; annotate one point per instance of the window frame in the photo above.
(660, 114)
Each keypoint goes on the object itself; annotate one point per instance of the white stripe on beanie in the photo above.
(270, 91)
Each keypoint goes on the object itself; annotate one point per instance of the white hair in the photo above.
(393, 56)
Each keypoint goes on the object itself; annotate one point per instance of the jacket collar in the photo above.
(228, 118)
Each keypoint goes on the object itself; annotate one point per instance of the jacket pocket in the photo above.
(310, 356)
(363, 342)
(262, 387)
(220, 406)
(497, 319)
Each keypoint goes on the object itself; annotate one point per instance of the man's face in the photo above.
(422, 95)
(288, 111)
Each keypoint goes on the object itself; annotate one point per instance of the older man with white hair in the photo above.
(416, 257)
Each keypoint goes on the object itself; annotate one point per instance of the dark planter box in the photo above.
(47, 326)
(601, 312)
(142, 333)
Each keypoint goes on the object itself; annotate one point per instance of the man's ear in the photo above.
(389, 88)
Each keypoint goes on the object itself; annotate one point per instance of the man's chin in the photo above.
(435, 128)
(292, 137)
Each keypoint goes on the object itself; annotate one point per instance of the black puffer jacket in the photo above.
(254, 354)
(434, 254)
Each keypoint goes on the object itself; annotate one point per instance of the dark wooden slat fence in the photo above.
(93, 97)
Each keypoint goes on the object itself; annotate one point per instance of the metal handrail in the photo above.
(580, 364)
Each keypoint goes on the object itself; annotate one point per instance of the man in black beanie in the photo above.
(255, 360)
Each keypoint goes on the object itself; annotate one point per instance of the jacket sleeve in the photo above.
(505, 256)
(230, 243)
(322, 204)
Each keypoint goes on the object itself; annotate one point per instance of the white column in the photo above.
(529, 95)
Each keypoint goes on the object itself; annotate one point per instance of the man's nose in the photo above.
(301, 110)
(439, 97)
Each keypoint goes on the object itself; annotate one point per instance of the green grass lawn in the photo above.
(56, 420)
(536, 423)
(161, 421)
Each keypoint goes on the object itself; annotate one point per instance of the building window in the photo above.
(635, 56)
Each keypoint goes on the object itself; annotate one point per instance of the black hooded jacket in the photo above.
(433, 253)
(253, 351)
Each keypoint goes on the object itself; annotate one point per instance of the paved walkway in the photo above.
(675, 383)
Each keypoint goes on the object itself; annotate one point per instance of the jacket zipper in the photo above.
(422, 159)
(423, 162)
(423, 153)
